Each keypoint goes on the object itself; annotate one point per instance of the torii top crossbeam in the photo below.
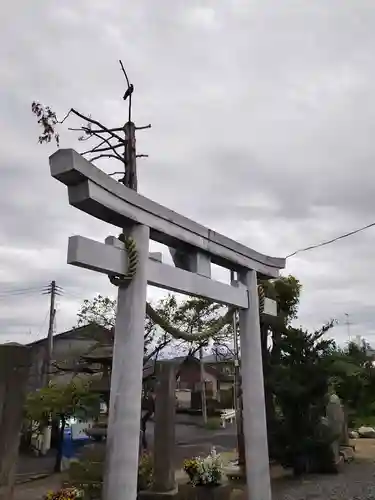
(94, 192)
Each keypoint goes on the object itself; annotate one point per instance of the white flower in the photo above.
(209, 469)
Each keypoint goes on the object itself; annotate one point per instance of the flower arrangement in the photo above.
(64, 494)
(204, 471)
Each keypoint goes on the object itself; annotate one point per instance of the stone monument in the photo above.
(164, 482)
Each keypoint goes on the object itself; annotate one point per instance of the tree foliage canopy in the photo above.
(190, 315)
(62, 401)
(353, 377)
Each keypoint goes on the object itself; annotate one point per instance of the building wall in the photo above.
(190, 379)
(183, 398)
(64, 350)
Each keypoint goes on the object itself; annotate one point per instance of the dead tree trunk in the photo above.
(14, 371)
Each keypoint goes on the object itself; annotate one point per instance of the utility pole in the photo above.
(203, 386)
(52, 291)
(348, 325)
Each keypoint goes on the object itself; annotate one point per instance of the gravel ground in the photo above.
(356, 482)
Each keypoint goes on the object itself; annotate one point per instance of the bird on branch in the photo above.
(129, 91)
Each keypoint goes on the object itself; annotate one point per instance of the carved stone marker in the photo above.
(164, 431)
(15, 363)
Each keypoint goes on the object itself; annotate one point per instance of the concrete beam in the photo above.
(94, 192)
(110, 259)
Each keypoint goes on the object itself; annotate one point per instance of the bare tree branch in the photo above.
(144, 127)
(97, 148)
(116, 129)
(65, 117)
(93, 128)
(82, 138)
(125, 74)
(76, 370)
(89, 130)
(116, 173)
(94, 148)
(129, 91)
(106, 156)
(95, 122)
(104, 141)
(157, 350)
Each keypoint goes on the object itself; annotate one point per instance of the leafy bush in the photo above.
(87, 473)
(64, 494)
(204, 471)
(145, 472)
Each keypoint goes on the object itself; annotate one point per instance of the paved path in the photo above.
(35, 490)
(30, 465)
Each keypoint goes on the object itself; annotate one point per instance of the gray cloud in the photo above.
(262, 119)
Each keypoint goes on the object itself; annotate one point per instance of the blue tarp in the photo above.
(70, 448)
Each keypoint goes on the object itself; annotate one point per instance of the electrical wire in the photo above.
(19, 296)
(39, 330)
(11, 293)
(5, 293)
(17, 291)
(72, 294)
(333, 240)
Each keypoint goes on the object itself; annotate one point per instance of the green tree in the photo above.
(297, 373)
(101, 311)
(185, 320)
(300, 383)
(353, 377)
(286, 291)
(62, 403)
(189, 317)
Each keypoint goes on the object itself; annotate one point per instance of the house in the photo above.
(68, 347)
(224, 365)
(217, 377)
(189, 375)
(80, 352)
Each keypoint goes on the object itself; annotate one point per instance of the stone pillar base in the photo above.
(155, 495)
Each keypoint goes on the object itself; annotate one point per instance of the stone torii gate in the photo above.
(194, 248)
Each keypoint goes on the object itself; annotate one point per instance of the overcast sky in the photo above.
(263, 117)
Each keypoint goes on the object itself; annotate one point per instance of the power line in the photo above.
(27, 295)
(40, 328)
(52, 288)
(19, 291)
(72, 294)
(13, 288)
(333, 240)
(27, 292)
